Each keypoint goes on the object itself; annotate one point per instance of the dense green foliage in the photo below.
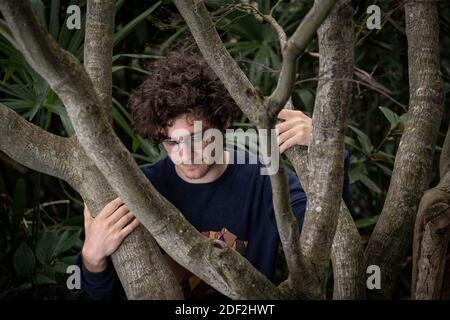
(41, 222)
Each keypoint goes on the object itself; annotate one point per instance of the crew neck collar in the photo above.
(226, 173)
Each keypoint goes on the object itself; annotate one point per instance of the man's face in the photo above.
(184, 147)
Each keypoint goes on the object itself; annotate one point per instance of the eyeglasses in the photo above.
(193, 139)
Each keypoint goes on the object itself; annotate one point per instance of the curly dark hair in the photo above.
(180, 83)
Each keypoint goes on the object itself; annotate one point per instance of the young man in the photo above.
(223, 199)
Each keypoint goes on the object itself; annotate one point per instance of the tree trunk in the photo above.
(138, 261)
(431, 254)
(391, 238)
(431, 242)
(326, 149)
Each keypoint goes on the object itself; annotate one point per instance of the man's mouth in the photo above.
(190, 166)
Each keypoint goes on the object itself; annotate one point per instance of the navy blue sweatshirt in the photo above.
(236, 208)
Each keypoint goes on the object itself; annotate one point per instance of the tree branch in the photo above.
(34, 147)
(431, 237)
(197, 17)
(6, 33)
(289, 233)
(326, 149)
(212, 260)
(391, 238)
(138, 261)
(444, 161)
(432, 260)
(248, 7)
(347, 256)
(98, 48)
(294, 47)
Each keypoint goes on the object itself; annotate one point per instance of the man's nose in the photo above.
(186, 153)
(190, 153)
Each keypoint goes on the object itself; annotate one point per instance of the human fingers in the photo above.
(287, 144)
(128, 229)
(123, 221)
(117, 215)
(289, 124)
(286, 114)
(110, 208)
(286, 135)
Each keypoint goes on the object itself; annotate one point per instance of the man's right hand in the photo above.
(105, 233)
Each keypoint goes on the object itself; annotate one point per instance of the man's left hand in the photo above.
(295, 129)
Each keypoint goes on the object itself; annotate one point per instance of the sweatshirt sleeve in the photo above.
(103, 285)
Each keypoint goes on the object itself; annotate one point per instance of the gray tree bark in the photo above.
(98, 48)
(430, 272)
(392, 236)
(326, 149)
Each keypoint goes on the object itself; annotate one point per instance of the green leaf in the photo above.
(46, 247)
(150, 150)
(391, 116)
(24, 261)
(364, 140)
(370, 184)
(122, 109)
(383, 156)
(366, 222)
(355, 173)
(53, 25)
(77, 221)
(307, 98)
(67, 241)
(119, 4)
(9, 72)
(67, 260)
(76, 40)
(352, 143)
(134, 145)
(60, 267)
(166, 44)
(385, 169)
(256, 68)
(121, 34)
(403, 118)
(62, 113)
(40, 279)
(143, 158)
(18, 91)
(120, 120)
(39, 9)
